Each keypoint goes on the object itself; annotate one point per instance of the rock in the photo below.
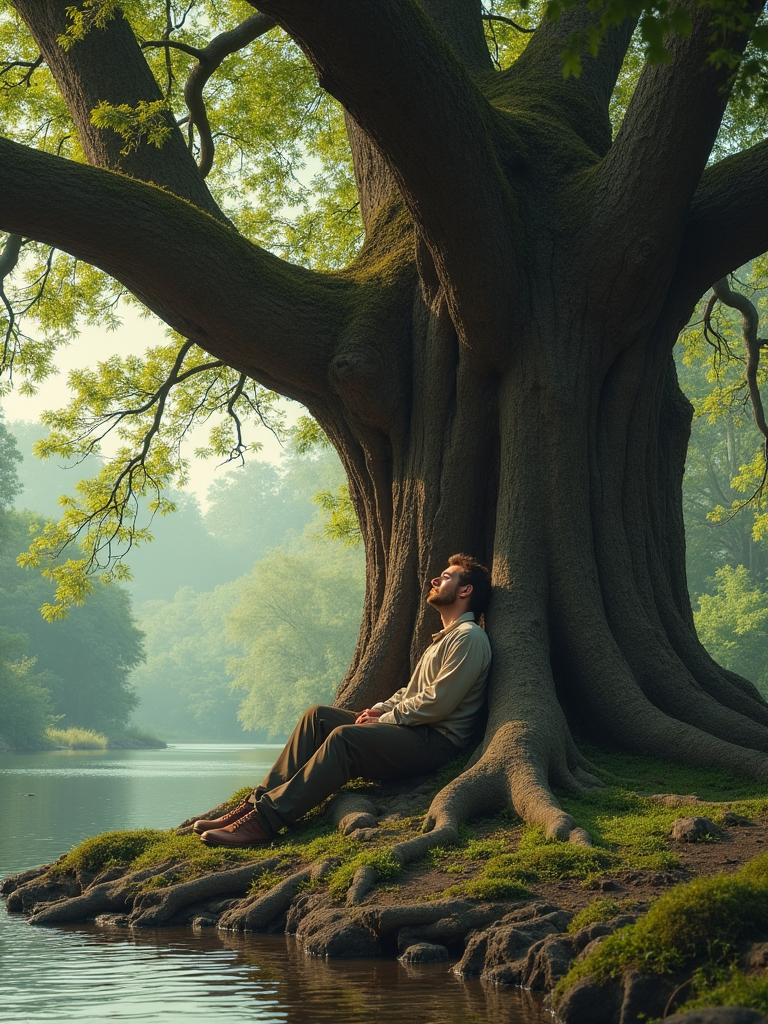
(586, 1002)
(611, 885)
(646, 996)
(425, 953)
(692, 830)
(586, 936)
(458, 916)
(327, 930)
(203, 921)
(755, 959)
(729, 818)
(494, 952)
(43, 889)
(547, 962)
(111, 920)
(718, 1015)
(591, 947)
(12, 882)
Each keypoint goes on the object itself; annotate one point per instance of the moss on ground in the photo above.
(729, 989)
(600, 910)
(699, 925)
(495, 858)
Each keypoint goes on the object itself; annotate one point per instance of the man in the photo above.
(418, 730)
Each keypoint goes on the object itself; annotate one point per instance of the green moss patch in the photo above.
(381, 860)
(731, 989)
(702, 922)
(110, 849)
(599, 910)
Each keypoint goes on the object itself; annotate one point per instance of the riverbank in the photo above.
(503, 903)
(88, 739)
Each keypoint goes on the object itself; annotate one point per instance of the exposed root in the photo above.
(259, 912)
(349, 811)
(363, 881)
(158, 906)
(98, 899)
(514, 771)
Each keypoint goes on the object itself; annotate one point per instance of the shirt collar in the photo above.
(466, 617)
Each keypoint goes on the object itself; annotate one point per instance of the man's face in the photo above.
(445, 587)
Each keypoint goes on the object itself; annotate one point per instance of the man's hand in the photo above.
(369, 717)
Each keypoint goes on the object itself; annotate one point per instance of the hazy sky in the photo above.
(134, 336)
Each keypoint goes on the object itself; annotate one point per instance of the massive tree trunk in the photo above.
(494, 369)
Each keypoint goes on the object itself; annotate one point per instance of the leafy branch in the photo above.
(178, 389)
(209, 58)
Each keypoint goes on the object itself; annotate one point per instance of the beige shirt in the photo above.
(447, 688)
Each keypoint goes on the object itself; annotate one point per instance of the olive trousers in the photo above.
(327, 749)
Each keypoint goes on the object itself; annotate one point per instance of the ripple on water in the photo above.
(88, 974)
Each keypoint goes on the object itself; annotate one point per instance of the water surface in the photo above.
(51, 801)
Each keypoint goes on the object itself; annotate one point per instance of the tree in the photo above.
(725, 462)
(295, 623)
(493, 366)
(733, 623)
(84, 662)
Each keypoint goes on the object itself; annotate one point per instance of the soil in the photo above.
(737, 845)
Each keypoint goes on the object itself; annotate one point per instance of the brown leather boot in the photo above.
(246, 831)
(226, 819)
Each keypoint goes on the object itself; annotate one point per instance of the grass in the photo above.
(77, 739)
(599, 910)
(699, 924)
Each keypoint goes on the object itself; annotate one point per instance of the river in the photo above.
(51, 801)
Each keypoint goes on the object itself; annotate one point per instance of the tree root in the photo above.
(98, 899)
(349, 811)
(363, 881)
(158, 906)
(259, 912)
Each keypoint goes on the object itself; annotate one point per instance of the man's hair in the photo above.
(477, 575)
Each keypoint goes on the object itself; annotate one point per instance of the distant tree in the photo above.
(297, 620)
(86, 658)
(25, 701)
(255, 507)
(10, 456)
(732, 624)
(725, 514)
(183, 685)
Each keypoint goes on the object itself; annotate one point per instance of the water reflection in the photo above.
(90, 974)
(94, 975)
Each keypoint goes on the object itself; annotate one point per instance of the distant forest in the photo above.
(240, 615)
(236, 618)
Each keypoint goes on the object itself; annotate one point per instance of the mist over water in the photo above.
(51, 801)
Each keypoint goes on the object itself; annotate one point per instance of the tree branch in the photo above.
(209, 59)
(405, 88)
(650, 175)
(750, 323)
(270, 320)
(727, 224)
(505, 21)
(108, 65)
(584, 101)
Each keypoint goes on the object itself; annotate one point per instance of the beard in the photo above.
(440, 600)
